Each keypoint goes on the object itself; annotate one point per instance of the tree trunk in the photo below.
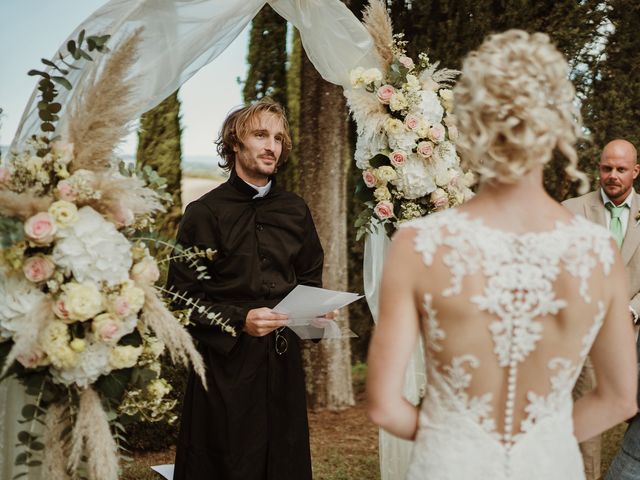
(323, 160)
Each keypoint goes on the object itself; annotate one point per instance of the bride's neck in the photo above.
(528, 189)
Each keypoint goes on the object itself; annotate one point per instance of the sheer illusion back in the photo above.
(508, 320)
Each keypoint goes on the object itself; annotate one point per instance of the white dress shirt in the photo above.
(262, 191)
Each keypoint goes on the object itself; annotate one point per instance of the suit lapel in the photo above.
(632, 235)
(594, 209)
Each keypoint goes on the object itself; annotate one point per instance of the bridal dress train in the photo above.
(507, 321)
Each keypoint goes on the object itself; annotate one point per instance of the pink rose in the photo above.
(33, 359)
(398, 158)
(65, 191)
(369, 178)
(406, 62)
(440, 199)
(60, 310)
(436, 133)
(5, 175)
(145, 271)
(121, 306)
(122, 216)
(383, 210)
(385, 92)
(38, 268)
(412, 122)
(106, 327)
(40, 228)
(425, 149)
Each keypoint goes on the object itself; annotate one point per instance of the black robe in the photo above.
(252, 422)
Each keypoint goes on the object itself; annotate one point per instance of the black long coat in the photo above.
(251, 424)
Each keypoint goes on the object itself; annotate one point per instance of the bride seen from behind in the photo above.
(510, 292)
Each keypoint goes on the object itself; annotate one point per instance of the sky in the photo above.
(33, 29)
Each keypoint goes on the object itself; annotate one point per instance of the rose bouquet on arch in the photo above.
(82, 323)
(406, 134)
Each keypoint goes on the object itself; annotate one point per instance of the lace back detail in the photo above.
(487, 338)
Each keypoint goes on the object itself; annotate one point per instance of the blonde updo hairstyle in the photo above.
(514, 105)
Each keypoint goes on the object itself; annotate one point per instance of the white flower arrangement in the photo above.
(406, 141)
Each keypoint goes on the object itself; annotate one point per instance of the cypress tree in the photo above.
(159, 147)
(267, 57)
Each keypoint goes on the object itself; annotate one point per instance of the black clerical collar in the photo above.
(243, 187)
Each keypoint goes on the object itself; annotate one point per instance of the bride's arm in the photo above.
(614, 359)
(394, 340)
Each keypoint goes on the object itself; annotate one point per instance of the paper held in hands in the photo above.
(305, 304)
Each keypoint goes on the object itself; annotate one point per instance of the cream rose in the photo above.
(146, 271)
(383, 210)
(398, 102)
(38, 268)
(393, 126)
(369, 178)
(398, 158)
(34, 359)
(40, 229)
(385, 173)
(425, 149)
(60, 310)
(385, 92)
(82, 301)
(447, 98)
(371, 75)
(106, 327)
(382, 193)
(355, 76)
(64, 213)
(134, 296)
(124, 356)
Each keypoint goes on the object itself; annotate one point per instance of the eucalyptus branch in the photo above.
(205, 311)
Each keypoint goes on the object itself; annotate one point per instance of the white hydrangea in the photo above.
(93, 362)
(405, 141)
(445, 153)
(93, 249)
(18, 298)
(370, 142)
(414, 179)
(430, 107)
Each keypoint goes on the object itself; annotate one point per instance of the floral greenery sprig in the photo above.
(48, 109)
(406, 143)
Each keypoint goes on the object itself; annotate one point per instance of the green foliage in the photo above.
(48, 109)
(612, 109)
(159, 151)
(11, 231)
(267, 58)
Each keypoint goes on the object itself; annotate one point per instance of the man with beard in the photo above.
(616, 206)
(251, 423)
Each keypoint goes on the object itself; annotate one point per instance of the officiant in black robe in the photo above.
(251, 423)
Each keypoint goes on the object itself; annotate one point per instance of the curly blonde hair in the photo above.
(514, 105)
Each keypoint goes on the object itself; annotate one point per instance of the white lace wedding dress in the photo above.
(507, 321)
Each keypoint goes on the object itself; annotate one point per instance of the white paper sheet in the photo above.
(304, 304)
(165, 470)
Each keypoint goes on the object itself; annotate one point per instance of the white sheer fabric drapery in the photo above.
(395, 453)
(182, 36)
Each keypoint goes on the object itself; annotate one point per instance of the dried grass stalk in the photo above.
(168, 330)
(54, 456)
(26, 340)
(22, 205)
(378, 23)
(91, 434)
(99, 116)
(118, 192)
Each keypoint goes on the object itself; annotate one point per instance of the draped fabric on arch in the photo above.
(182, 36)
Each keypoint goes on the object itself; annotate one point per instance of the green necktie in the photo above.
(616, 223)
